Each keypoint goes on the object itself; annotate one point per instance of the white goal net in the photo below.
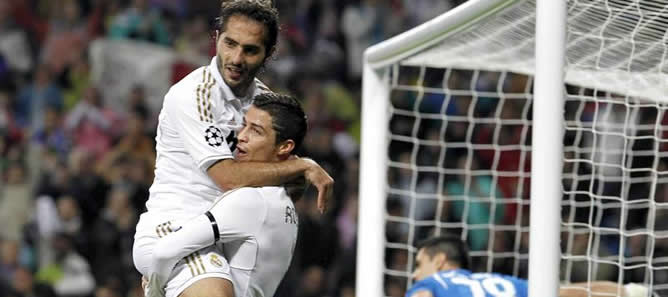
(447, 143)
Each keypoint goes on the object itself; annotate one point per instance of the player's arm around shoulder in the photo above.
(232, 174)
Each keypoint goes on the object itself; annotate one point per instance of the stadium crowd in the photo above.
(76, 165)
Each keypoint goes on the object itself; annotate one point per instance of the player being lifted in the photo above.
(196, 136)
(442, 270)
(256, 226)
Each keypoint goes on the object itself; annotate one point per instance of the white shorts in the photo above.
(205, 263)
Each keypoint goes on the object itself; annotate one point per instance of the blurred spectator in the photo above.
(408, 179)
(177, 7)
(69, 215)
(142, 22)
(54, 177)
(9, 260)
(317, 243)
(7, 124)
(313, 282)
(112, 238)
(346, 223)
(15, 202)
(3, 160)
(34, 99)
(131, 161)
(89, 188)
(362, 26)
(52, 137)
(70, 273)
(395, 289)
(91, 124)
(78, 81)
(47, 221)
(136, 142)
(347, 291)
(319, 147)
(106, 292)
(14, 43)
(477, 206)
(137, 104)
(68, 34)
(24, 285)
(194, 43)
(364, 23)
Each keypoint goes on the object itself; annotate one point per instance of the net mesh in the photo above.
(460, 145)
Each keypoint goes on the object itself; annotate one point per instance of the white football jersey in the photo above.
(258, 231)
(197, 127)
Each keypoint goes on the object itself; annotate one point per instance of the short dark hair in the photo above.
(261, 11)
(287, 114)
(455, 249)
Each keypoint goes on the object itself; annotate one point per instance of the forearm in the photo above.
(232, 174)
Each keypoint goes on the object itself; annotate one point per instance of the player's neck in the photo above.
(447, 266)
(240, 90)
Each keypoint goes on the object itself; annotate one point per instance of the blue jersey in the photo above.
(463, 283)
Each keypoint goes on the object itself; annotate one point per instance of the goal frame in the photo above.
(546, 151)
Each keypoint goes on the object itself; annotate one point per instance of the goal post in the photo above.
(371, 228)
(547, 148)
(487, 120)
(375, 119)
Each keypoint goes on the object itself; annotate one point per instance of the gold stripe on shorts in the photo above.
(192, 271)
(201, 263)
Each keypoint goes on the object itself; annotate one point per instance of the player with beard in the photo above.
(196, 136)
(257, 226)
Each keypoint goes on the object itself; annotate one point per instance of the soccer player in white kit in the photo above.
(196, 135)
(256, 226)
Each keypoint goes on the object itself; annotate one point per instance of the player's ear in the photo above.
(285, 148)
(440, 259)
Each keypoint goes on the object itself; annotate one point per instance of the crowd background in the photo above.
(76, 158)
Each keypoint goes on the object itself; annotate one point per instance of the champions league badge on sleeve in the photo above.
(213, 136)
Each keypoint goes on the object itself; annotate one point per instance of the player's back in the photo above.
(463, 283)
(259, 261)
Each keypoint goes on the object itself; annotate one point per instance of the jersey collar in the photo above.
(227, 92)
(452, 272)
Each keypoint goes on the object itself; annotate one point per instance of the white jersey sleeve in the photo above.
(239, 214)
(192, 113)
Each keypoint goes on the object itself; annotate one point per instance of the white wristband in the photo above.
(635, 290)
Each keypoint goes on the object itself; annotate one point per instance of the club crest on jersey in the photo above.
(215, 261)
(213, 136)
